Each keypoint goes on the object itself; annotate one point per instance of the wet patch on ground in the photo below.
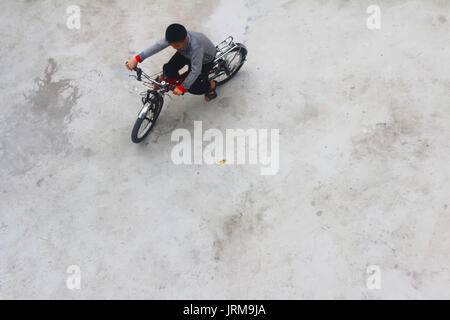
(38, 126)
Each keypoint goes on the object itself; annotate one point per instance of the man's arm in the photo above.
(157, 47)
(196, 70)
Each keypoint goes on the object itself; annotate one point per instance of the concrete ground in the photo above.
(364, 154)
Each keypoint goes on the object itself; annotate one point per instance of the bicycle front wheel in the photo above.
(146, 121)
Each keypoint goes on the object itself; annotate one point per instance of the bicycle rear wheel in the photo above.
(229, 65)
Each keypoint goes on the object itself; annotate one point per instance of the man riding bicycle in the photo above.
(193, 49)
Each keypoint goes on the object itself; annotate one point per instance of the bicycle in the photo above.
(153, 98)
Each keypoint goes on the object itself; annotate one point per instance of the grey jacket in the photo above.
(199, 49)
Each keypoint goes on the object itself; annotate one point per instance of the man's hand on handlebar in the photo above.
(177, 92)
(131, 64)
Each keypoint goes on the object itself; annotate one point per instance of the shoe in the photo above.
(212, 94)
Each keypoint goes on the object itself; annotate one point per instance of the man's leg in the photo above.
(202, 85)
(177, 62)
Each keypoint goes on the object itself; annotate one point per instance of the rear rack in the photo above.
(224, 47)
(225, 44)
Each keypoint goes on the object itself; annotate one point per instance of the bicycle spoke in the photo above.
(237, 52)
(229, 59)
(142, 132)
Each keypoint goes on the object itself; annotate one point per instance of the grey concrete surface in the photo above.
(364, 154)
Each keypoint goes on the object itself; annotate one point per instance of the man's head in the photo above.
(176, 36)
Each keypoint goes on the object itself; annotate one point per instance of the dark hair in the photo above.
(175, 33)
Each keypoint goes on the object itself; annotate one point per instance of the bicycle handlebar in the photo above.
(139, 72)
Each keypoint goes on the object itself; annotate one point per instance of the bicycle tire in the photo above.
(244, 51)
(137, 125)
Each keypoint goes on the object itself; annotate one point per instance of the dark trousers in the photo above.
(178, 61)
